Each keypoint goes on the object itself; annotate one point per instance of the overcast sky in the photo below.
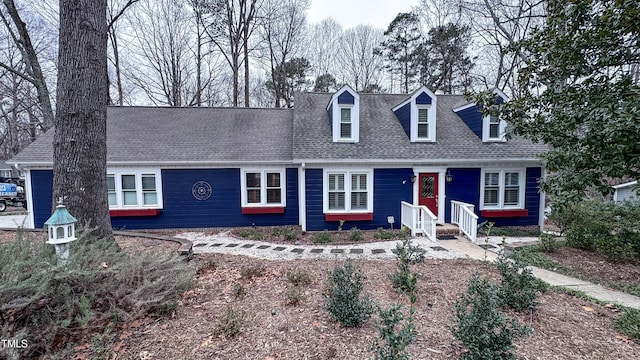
(349, 13)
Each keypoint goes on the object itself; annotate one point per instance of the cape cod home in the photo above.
(363, 159)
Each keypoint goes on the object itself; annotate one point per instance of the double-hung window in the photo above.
(348, 191)
(130, 189)
(502, 189)
(493, 129)
(263, 188)
(423, 123)
(345, 123)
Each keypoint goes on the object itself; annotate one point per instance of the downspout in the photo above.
(541, 211)
(302, 197)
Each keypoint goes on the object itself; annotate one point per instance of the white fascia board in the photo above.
(401, 104)
(463, 107)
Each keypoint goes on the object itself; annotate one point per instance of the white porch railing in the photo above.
(418, 219)
(462, 214)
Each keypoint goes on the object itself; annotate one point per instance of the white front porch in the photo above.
(420, 220)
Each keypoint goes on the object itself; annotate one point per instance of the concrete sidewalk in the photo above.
(598, 292)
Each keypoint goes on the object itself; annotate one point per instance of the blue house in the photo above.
(423, 159)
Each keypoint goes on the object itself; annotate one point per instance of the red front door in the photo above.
(428, 191)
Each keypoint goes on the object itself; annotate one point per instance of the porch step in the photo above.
(447, 229)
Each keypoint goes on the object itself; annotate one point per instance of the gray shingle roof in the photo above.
(180, 135)
(382, 136)
(163, 135)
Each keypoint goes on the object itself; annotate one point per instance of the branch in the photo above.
(125, 7)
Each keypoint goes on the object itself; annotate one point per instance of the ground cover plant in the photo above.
(54, 305)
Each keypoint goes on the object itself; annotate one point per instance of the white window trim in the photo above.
(431, 118)
(347, 189)
(339, 131)
(485, 130)
(501, 186)
(263, 187)
(117, 173)
(336, 116)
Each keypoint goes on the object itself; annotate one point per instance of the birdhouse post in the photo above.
(61, 230)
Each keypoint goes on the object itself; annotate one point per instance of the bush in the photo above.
(391, 343)
(612, 230)
(485, 331)
(407, 254)
(230, 324)
(252, 234)
(251, 271)
(323, 237)
(239, 291)
(299, 277)
(518, 289)
(382, 234)
(343, 298)
(295, 295)
(548, 243)
(43, 300)
(286, 233)
(355, 234)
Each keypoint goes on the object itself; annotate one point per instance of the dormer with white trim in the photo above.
(344, 115)
(487, 127)
(417, 115)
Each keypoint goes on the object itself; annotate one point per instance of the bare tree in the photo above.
(80, 138)
(282, 29)
(230, 25)
(361, 65)
(116, 9)
(32, 70)
(497, 26)
(162, 53)
(19, 109)
(323, 47)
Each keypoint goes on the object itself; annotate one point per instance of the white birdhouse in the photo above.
(61, 230)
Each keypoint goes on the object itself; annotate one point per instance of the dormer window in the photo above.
(493, 129)
(417, 115)
(345, 123)
(344, 115)
(423, 123)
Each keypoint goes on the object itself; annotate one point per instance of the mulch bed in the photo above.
(564, 326)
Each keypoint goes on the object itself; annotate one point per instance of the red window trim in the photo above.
(263, 210)
(134, 212)
(504, 213)
(349, 217)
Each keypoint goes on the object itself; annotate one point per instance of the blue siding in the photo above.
(389, 191)
(404, 115)
(331, 117)
(473, 118)
(423, 99)
(42, 192)
(465, 187)
(346, 98)
(315, 216)
(182, 210)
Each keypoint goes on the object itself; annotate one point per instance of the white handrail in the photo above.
(418, 218)
(462, 214)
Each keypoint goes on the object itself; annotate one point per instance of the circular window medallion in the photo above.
(201, 190)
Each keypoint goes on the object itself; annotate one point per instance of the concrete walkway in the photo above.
(451, 248)
(598, 292)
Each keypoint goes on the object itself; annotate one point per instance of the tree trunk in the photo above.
(79, 146)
